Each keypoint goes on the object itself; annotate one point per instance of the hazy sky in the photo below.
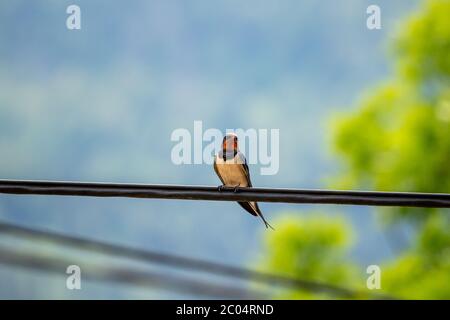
(100, 104)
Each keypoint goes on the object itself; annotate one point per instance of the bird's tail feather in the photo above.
(265, 222)
(253, 208)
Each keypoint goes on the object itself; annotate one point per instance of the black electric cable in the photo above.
(370, 198)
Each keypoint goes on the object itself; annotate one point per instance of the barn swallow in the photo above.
(231, 167)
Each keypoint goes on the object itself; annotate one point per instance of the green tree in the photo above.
(424, 45)
(423, 272)
(397, 139)
(311, 248)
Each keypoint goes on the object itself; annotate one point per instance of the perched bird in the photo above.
(232, 169)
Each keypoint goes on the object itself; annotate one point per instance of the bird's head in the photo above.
(230, 143)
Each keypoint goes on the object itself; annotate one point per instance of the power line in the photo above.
(184, 192)
(181, 262)
(123, 275)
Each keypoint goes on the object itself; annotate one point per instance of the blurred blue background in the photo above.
(100, 104)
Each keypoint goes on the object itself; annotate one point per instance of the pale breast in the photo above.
(232, 173)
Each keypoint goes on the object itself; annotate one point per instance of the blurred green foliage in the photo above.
(424, 45)
(314, 248)
(423, 272)
(397, 139)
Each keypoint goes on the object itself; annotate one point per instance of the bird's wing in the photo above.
(245, 169)
(249, 208)
(217, 171)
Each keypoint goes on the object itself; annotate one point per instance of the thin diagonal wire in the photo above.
(123, 275)
(179, 262)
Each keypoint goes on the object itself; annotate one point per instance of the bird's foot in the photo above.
(220, 188)
(236, 188)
